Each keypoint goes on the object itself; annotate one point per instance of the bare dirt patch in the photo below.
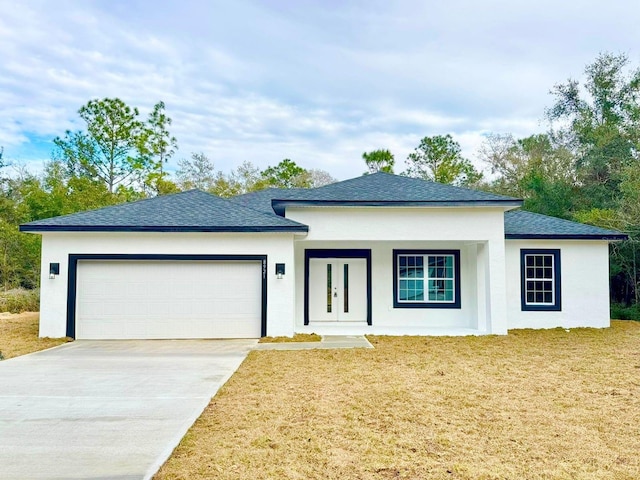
(19, 335)
(535, 404)
(298, 337)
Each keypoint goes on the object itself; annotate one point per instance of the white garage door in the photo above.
(168, 299)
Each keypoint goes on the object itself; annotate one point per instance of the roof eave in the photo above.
(279, 205)
(539, 236)
(139, 228)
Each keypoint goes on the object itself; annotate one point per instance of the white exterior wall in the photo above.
(584, 272)
(476, 232)
(382, 223)
(489, 268)
(56, 247)
(384, 315)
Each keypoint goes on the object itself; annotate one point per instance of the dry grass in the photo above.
(298, 337)
(19, 335)
(531, 405)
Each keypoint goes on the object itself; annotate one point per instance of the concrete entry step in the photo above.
(327, 342)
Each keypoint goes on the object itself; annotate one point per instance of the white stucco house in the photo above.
(379, 254)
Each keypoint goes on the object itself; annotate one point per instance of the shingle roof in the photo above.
(197, 211)
(519, 224)
(261, 200)
(385, 188)
(191, 211)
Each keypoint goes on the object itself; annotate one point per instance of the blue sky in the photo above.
(319, 82)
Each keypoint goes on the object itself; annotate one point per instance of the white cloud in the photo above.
(319, 82)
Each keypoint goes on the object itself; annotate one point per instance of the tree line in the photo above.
(585, 168)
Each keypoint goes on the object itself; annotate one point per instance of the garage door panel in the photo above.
(168, 299)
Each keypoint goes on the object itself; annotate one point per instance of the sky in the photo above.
(319, 82)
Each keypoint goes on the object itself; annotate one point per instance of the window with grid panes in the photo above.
(540, 279)
(426, 278)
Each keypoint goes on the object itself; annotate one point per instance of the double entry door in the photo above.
(337, 290)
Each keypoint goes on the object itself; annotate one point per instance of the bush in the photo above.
(621, 312)
(20, 300)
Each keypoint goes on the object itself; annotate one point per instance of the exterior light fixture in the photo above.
(54, 269)
(279, 270)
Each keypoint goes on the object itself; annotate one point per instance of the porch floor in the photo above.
(360, 329)
(327, 342)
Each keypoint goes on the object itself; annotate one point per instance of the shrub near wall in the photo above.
(19, 300)
(621, 312)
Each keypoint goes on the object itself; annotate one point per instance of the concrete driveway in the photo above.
(106, 409)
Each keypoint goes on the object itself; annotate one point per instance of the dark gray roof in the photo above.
(519, 224)
(388, 187)
(261, 200)
(192, 211)
(197, 211)
(381, 189)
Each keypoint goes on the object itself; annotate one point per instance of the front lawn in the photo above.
(19, 335)
(298, 337)
(531, 405)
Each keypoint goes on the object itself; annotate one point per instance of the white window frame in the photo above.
(536, 279)
(556, 296)
(426, 255)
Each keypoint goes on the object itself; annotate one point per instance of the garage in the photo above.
(186, 265)
(167, 298)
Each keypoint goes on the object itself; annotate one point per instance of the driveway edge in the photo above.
(166, 453)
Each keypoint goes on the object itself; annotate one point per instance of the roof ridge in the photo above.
(191, 207)
(383, 186)
(265, 214)
(449, 185)
(346, 181)
(140, 200)
(121, 204)
(268, 189)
